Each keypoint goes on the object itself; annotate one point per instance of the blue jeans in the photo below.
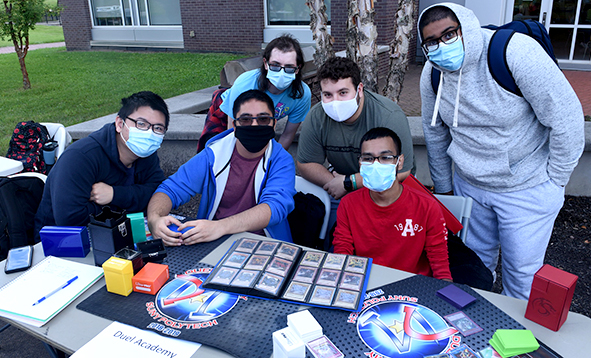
(520, 223)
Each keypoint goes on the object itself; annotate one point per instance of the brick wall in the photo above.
(223, 25)
(76, 23)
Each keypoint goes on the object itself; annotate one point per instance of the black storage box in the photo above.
(110, 231)
(152, 250)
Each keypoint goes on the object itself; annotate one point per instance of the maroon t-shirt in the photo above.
(239, 192)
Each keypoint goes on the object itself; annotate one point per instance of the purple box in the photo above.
(456, 296)
(65, 241)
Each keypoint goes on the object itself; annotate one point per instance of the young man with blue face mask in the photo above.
(116, 166)
(397, 226)
(333, 128)
(512, 154)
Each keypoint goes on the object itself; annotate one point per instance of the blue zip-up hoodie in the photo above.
(207, 174)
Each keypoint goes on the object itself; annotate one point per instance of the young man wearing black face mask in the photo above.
(246, 181)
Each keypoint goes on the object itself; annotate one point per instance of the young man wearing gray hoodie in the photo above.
(512, 154)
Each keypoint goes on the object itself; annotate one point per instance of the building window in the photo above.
(136, 12)
(291, 12)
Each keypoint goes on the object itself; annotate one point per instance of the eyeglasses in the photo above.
(288, 70)
(144, 126)
(261, 120)
(383, 159)
(447, 38)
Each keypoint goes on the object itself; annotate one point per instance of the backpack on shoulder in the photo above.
(19, 200)
(497, 51)
(25, 146)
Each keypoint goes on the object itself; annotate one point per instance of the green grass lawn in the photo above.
(41, 34)
(73, 87)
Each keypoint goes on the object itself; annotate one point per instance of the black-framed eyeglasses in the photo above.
(447, 38)
(383, 159)
(261, 120)
(144, 126)
(289, 70)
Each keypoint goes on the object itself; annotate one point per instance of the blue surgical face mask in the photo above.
(142, 143)
(449, 57)
(280, 79)
(377, 176)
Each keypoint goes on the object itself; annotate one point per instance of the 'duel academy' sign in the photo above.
(397, 326)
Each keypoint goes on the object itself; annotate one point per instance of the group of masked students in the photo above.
(511, 154)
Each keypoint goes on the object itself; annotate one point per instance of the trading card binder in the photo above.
(283, 271)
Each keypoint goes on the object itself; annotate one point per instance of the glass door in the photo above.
(569, 24)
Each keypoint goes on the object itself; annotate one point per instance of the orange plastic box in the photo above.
(151, 278)
(550, 298)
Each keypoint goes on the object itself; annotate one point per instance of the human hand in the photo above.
(101, 193)
(201, 231)
(159, 229)
(335, 187)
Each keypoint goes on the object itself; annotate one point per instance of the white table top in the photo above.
(72, 328)
(9, 166)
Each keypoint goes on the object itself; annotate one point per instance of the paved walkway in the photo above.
(10, 49)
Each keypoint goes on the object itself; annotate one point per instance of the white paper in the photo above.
(120, 340)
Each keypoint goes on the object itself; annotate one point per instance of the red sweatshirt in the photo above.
(408, 235)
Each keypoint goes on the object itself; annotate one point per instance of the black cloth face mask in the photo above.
(254, 138)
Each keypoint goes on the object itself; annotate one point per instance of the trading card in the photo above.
(257, 262)
(279, 266)
(297, 291)
(328, 277)
(267, 248)
(305, 274)
(224, 275)
(489, 352)
(462, 351)
(312, 258)
(287, 251)
(356, 264)
(323, 348)
(269, 283)
(346, 299)
(463, 323)
(322, 295)
(247, 245)
(245, 278)
(236, 259)
(351, 281)
(334, 261)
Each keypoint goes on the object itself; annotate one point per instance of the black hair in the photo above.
(436, 13)
(338, 68)
(143, 99)
(256, 95)
(284, 43)
(382, 132)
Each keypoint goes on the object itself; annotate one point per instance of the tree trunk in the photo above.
(361, 41)
(324, 41)
(399, 49)
(20, 48)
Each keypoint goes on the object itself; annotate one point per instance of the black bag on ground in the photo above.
(19, 200)
(25, 146)
(465, 266)
(306, 219)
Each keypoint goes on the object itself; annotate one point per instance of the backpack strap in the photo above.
(497, 60)
(435, 76)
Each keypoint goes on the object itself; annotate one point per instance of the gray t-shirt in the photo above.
(322, 138)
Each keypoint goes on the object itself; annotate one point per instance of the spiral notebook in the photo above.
(54, 282)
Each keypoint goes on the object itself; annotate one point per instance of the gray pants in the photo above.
(519, 222)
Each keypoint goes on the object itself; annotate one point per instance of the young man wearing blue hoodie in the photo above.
(512, 154)
(116, 166)
(246, 181)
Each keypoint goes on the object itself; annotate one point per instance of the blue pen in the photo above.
(56, 290)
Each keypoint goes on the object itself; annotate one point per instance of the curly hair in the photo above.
(338, 68)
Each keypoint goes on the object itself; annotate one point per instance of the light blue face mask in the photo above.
(449, 57)
(377, 176)
(280, 79)
(142, 143)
